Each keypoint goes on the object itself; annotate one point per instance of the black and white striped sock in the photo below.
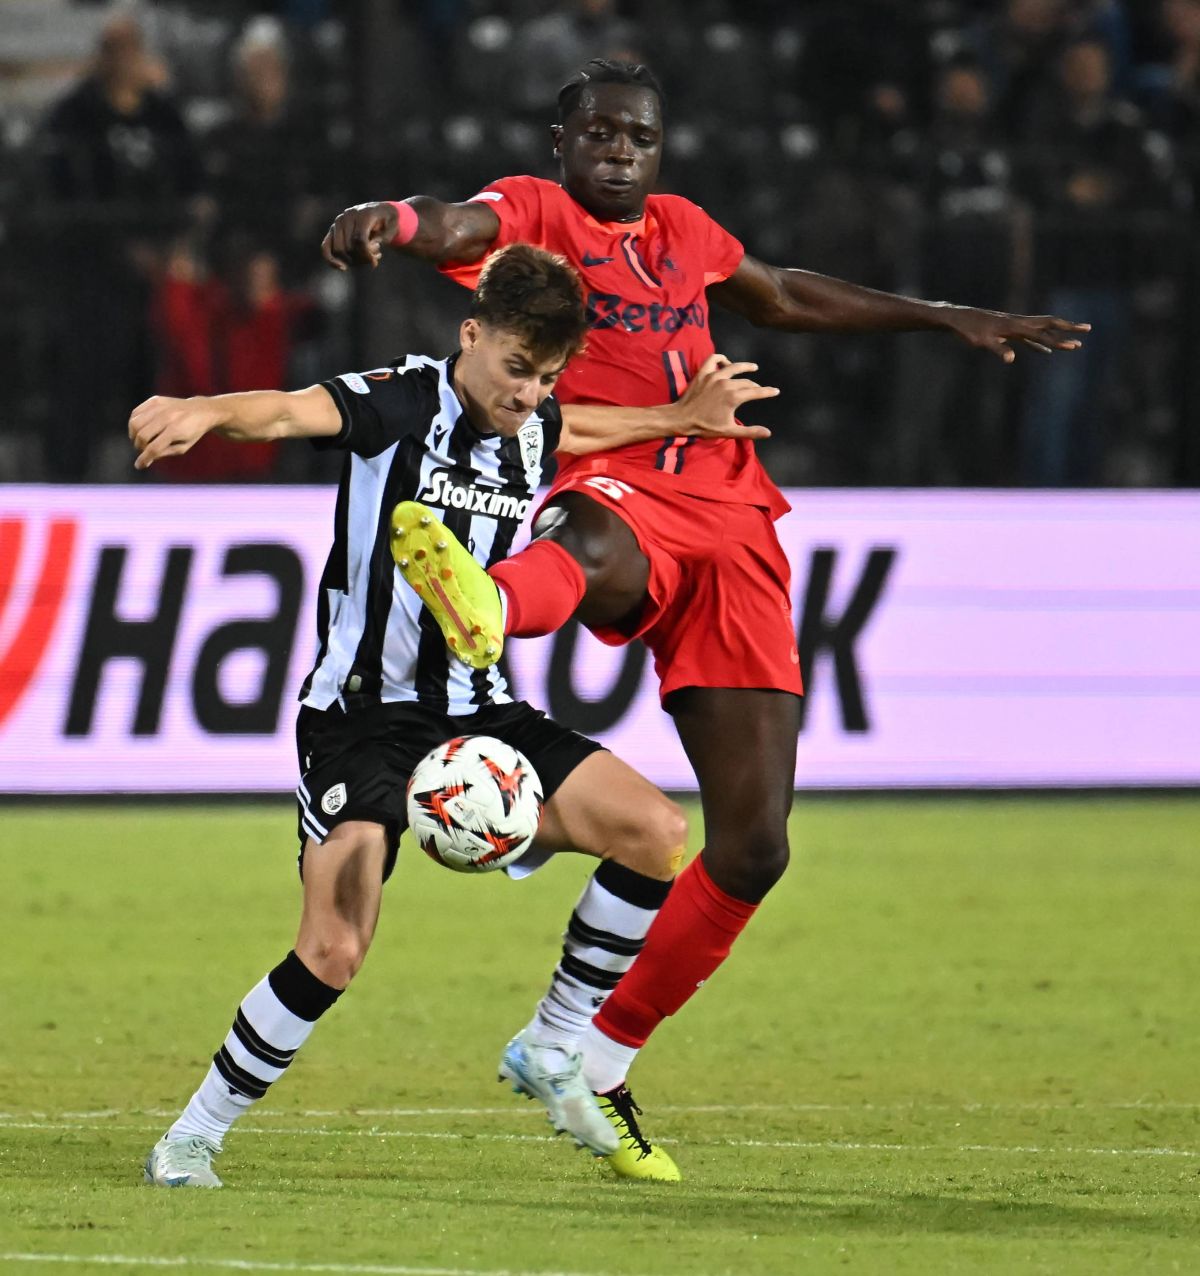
(606, 932)
(272, 1023)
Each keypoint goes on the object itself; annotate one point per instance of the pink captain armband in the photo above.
(407, 223)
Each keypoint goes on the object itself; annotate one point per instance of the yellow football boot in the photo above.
(637, 1157)
(455, 589)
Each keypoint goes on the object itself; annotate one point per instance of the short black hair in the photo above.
(535, 294)
(606, 71)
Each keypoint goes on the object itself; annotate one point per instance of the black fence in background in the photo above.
(813, 131)
(102, 306)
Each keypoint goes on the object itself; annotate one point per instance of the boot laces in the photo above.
(627, 1111)
(190, 1154)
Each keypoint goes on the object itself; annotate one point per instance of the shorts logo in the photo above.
(334, 799)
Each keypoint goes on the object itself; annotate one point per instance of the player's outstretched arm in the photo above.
(800, 301)
(420, 225)
(707, 408)
(162, 426)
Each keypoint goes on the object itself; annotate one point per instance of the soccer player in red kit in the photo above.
(668, 541)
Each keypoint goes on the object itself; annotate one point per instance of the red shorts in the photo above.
(719, 612)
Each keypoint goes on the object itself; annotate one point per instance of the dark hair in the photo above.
(605, 71)
(536, 295)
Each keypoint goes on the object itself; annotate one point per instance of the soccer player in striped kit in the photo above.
(469, 435)
(671, 542)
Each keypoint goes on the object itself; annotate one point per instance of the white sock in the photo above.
(605, 934)
(262, 1042)
(606, 1062)
(210, 1111)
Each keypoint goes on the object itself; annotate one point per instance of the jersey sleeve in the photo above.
(517, 202)
(378, 408)
(720, 251)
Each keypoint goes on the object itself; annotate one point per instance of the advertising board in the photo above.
(152, 640)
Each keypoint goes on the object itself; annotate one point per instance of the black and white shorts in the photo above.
(356, 765)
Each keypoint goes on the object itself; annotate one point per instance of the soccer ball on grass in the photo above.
(474, 804)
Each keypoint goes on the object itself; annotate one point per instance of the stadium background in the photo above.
(1018, 154)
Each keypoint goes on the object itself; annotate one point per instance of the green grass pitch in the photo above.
(962, 1036)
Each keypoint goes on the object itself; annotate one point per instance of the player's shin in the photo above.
(272, 1023)
(541, 587)
(690, 938)
(603, 937)
(605, 934)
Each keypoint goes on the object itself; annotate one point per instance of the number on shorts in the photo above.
(614, 489)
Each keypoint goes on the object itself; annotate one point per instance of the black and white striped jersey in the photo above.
(407, 437)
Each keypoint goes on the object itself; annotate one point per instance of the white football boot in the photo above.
(555, 1078)
(182, 1163)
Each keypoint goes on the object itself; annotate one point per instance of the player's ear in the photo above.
(556, 132)
(469, 333)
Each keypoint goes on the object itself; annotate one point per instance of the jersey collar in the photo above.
(464, 421)
(644, 225)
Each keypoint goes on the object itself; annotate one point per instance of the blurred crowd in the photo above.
(167, 171)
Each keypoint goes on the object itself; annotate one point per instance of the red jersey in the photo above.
(648, 313)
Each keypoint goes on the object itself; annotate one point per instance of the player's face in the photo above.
(610, 148)
(499, 381)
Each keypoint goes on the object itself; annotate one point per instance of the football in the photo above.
(474, 804)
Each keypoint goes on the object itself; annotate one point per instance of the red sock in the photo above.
(689, 939)
(543, 585)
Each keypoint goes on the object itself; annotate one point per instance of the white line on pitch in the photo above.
(909, 1106)
(811, 1145)
(695, 1108)
(934, 1147)
(265, 1265)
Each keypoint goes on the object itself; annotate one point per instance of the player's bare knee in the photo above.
(600, 542)
(669, 833)
(747, 864)
(589, 549)
(342, 881)
(765, 858)
(334, 955)
(654, 845)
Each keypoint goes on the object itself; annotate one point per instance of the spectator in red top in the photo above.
(225, 333)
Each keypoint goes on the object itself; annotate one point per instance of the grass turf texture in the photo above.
(961, 1037)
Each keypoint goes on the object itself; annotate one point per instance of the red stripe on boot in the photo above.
(689, 939)
(543, 585)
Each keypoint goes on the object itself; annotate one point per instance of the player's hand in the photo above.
(359, 235)
(992, 330)
(168, 427)
(708, 407)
